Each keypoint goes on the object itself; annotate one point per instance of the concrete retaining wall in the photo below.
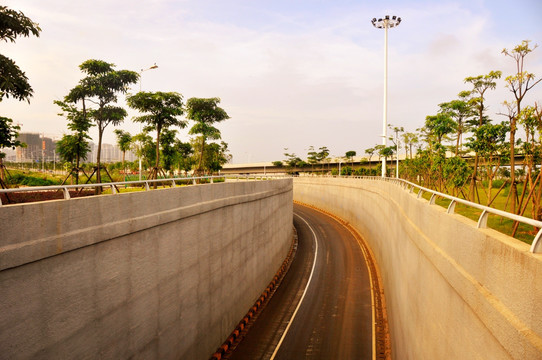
(164, 274)
(453, 291)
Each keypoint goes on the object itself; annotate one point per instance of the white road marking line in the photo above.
(304, 292)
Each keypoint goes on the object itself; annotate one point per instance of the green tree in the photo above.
(481, 84)
(530, 118)
(216, 155)
(74, 147)
(420, 166)
(71, 149)
(292, 160)
(456, 173)
(410, 139)
(8, 139)
(323, 155)
(519, 84)
(205, 113)
(440, 125)
(459, 110)
(370, 152)
(312, 157)
(161, 111)
(101, 86)
(346, 171)
(124, 142)
(13, 81)
(9, 133)
(146, 149)
(350, 156)
(436, 128)
(537, 203)
(489, 141)
(169, 149)
(184, 152)
(396, 140)
(384, 152)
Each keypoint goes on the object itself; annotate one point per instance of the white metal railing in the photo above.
(145, 183)
(536, 246)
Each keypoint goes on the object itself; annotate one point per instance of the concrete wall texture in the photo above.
(453, 291)
(163, 274)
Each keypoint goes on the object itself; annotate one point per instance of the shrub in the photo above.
(27, 180)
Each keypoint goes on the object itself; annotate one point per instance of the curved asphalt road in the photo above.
(322, 309)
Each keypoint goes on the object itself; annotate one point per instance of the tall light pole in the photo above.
(140, 76)
(397, 151)
(385, 23)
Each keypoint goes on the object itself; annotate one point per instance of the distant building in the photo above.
(38, 148)
(110, 153)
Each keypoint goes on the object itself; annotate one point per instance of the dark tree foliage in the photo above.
(100, 86)
(13, 81)
(160, 110)
(205, 113)
(8, 133)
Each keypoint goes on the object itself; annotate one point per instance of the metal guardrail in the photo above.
(145, 183)
(536, 246)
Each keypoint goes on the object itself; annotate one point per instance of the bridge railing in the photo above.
(536, 246)
(146, 184)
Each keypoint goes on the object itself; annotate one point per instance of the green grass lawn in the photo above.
(525, 233)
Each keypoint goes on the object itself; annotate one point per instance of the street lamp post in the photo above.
(140, 76)
(141, 73)
(385, 23)
(396, 153)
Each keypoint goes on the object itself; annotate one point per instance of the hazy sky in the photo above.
(290, 73)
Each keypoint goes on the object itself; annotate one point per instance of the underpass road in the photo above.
(322, 309)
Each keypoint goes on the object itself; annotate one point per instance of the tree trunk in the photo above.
(200, 165)
(2, 175)
(473, 179)
(489, 186)
(537, 210)
(457, 144)
(123, 166)
(158, 129)
(77, 159)
(99, 154)
(513, 186)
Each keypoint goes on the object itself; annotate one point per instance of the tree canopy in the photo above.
(161, 110)
(101, 86)
(74, 147)
(13, 81)
(204, 112)
(8, 133)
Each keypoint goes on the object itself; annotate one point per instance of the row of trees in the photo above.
(462, 149)
(313, 157)
(93, 102)
(462, 127)
(13, 81)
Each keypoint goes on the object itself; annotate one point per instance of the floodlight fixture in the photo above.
(385, 23)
